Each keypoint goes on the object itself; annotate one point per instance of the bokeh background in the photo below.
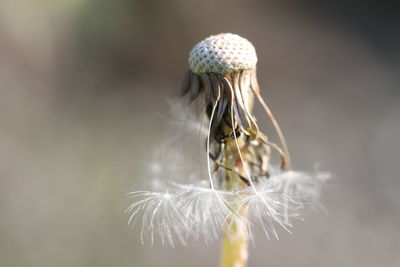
(83, 90)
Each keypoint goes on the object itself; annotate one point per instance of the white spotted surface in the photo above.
(222, 53)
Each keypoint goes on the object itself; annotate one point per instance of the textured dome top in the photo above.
(222, 53)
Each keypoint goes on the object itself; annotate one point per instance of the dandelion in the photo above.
(239, 187)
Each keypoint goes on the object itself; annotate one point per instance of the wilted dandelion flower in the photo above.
(240, 187)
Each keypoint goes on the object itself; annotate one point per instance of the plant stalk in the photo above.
(234, 252)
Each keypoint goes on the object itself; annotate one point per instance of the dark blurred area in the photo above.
(83, 96)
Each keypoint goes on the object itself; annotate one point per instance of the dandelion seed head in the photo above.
(222, 53)
(231, 185)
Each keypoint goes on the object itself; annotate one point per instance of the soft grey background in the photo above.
(82, 87)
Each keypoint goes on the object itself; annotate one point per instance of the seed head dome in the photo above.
(222, 53)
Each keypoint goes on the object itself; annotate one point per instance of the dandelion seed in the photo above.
(207, 210)
(304, 188)
(160, 214)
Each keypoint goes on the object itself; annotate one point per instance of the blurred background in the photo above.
(83, 96)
